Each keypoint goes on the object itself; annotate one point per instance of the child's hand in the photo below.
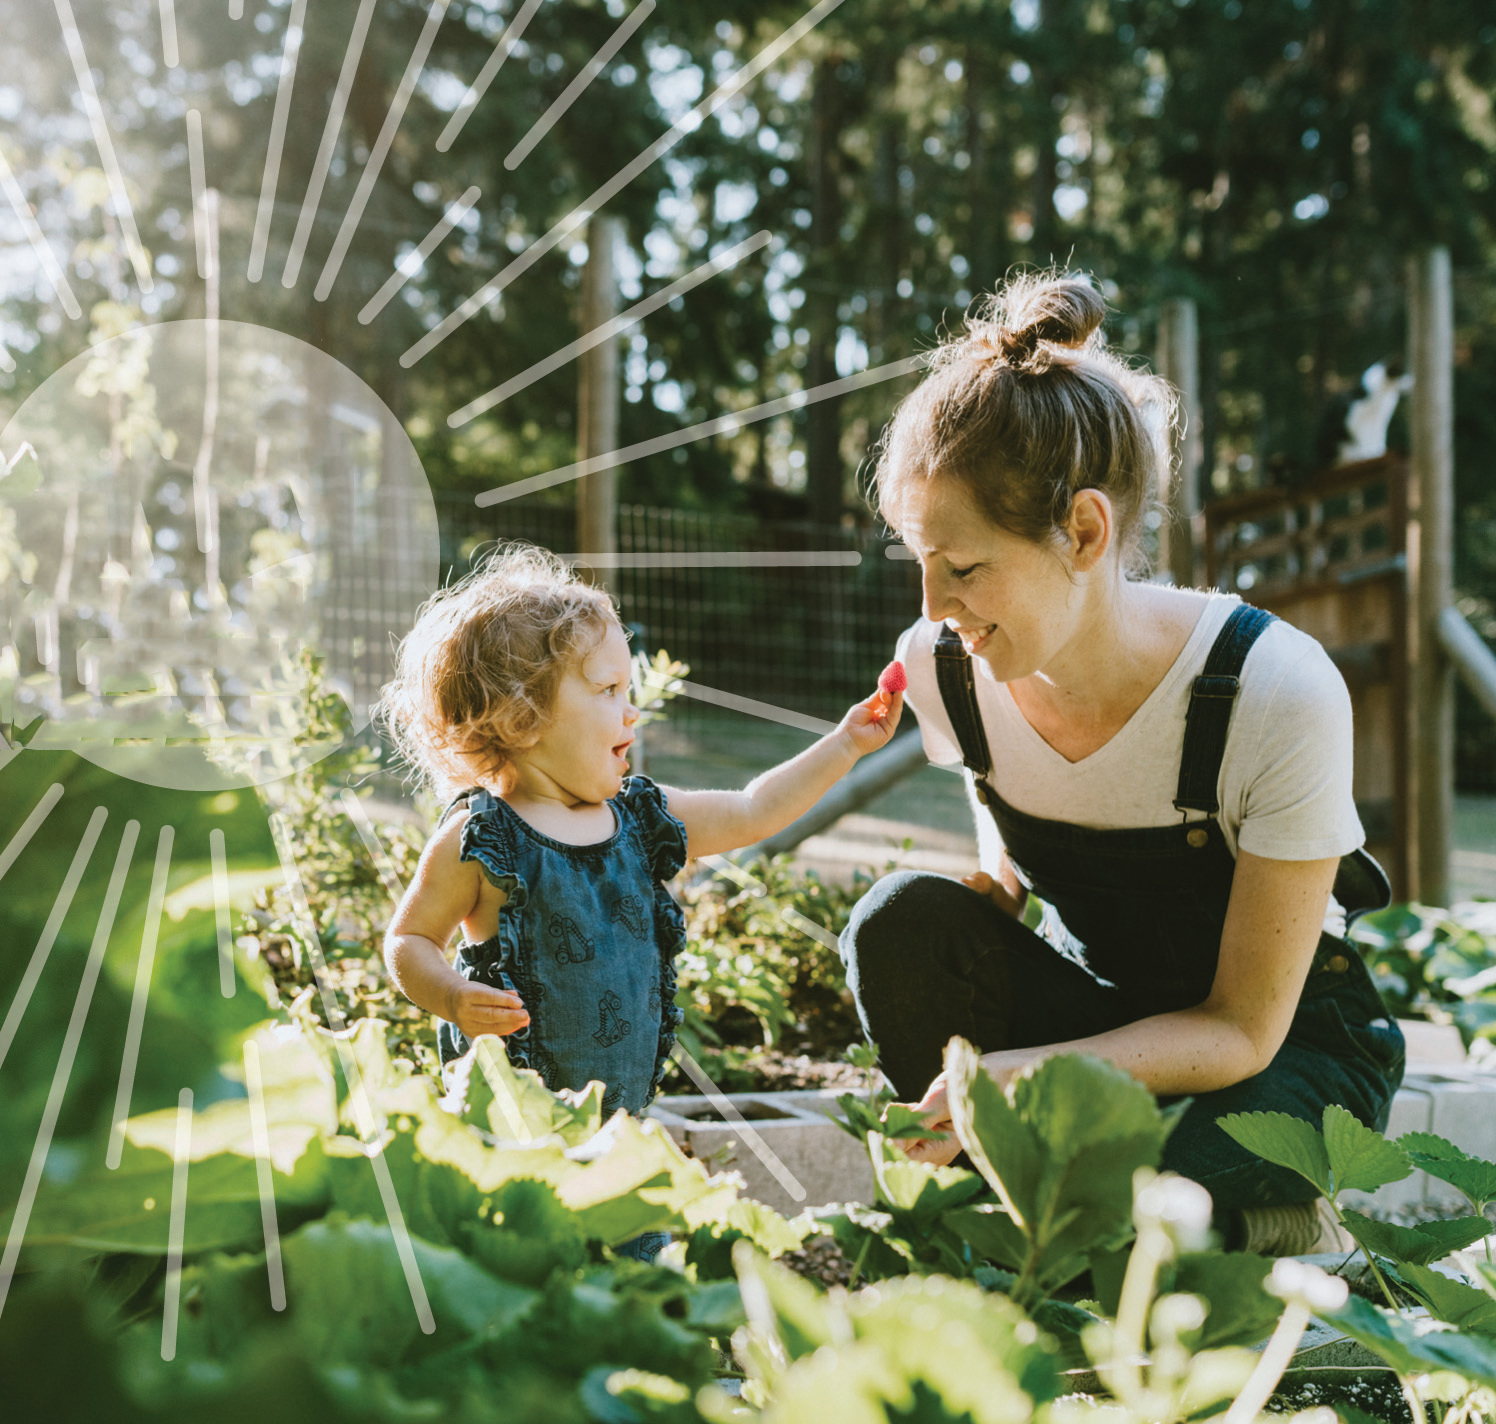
(995, 891)
(871, 724)
(479, 1008)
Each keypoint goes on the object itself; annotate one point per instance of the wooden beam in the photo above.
(1179, 363)
(597, 397)
(1431, 353)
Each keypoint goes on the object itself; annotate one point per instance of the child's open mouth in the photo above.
(621, 751)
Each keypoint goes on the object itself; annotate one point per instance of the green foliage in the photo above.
(1059, 1148)
(926, 1348)
(1434, 963)
(501, 1231)
(752, 976)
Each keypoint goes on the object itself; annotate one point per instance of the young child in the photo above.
(514, 684)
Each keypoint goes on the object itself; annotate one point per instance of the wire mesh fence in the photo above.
(800, 614)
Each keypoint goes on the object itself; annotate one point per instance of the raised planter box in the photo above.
(789, 1150)
(792, 1155)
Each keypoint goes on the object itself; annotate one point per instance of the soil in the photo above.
(768, 1070)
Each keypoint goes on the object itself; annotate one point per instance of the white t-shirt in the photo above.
(1285, 779)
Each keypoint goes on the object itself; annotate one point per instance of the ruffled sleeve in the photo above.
(663, 835)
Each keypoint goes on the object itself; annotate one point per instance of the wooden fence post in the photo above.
(1179, 363)
(1431, 360)
(597, 398)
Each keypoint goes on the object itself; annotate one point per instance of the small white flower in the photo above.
(1180, 1207)
(1299, 1281)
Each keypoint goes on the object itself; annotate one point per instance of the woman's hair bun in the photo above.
(1035, 312)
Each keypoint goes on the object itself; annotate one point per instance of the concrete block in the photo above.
(788, 1148)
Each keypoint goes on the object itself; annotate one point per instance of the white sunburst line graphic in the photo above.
(408, 266)
(222, 912)
(290, 52)
(236, 9)
(66, 1058)
(728, 424)
(357, 1095)
(34, 235)
(205, 512)
(377, 155)
(29, 827)
(259, 1130)
(7, 361)
(513, 32)
(123, 212)
(574, 90)
(169, 51)
(609, 329)
(352, 54)
(135, 1025)
(688, 123)
(50, 930)
(722, 559)
(751, 1139)
(181, 1159)
(197, 170)
(389, 877)
(801, 721)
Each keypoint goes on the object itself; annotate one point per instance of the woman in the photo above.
(1166, 768)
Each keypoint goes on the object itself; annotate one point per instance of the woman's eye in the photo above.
(963, 573)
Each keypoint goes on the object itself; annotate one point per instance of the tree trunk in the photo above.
(823, 420)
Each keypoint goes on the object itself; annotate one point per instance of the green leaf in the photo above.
(1417, 1347)
(904, 1123)
(1286, 1141)
(526, 1234)
(1451, 1300)
(991, 1131)
(992, 1234)
(348, 1298)
(1361, 1159)
(1442, 1159)
(1416, 1245)
(1240, 1311)
(785, 1311)
(923, 1191)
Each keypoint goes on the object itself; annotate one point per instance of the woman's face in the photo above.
(1013, 602)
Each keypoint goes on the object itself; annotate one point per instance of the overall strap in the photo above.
(476, 793)
(1209, 717)
(958, 690)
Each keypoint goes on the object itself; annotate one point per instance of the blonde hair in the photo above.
(1028, 407)
(476, 677)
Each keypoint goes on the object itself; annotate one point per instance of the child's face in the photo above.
(582, 755)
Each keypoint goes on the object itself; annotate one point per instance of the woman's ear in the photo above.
(1090, 528)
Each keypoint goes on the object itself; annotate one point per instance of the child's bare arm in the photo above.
(443, 893)
(718, 821)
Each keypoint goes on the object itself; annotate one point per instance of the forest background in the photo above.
(1277, 162)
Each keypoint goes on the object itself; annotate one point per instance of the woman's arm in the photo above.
(1273, 923)
(718, 821)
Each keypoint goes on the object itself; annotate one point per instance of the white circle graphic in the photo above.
(192, 513)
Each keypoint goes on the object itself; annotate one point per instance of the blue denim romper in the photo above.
(1145, 908)
(587, 938)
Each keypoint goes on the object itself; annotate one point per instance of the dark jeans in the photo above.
(928, 958)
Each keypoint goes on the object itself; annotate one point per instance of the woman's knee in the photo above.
(901, 909)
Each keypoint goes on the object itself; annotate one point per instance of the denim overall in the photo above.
(588, 936)
(1140, 917)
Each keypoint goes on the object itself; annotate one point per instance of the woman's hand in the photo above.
(480, 1008)
(995, 891)
(937, 1115)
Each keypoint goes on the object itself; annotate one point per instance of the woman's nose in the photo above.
(939, 601)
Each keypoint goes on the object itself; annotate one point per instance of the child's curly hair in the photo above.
(476, 677)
